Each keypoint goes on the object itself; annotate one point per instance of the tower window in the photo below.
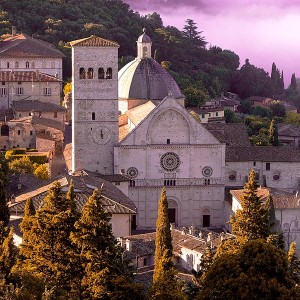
(81, 73)
(93, 116)
(109, 73)
(100, 73)
(7, 64)
(168, 141)
(268, 166)
(19, 132)
(27, 64)
(90, 73)
(55, 114)
(145, 51)
(16, 64)
(31, 132)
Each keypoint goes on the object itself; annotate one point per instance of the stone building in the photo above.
(21, 52)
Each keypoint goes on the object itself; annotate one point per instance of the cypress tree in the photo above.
(4, 210)
(164, 284)
(294, 263)
(252, 220)
(105, 272)
(273, 134)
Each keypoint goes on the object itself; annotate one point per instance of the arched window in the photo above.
(145, 51)
(27, 64)
(81, 73)
(4, 130)
(93, 116)
(100, 73)
(7, 64)
(90, 73)
(109, 73)
(33, 64)
(16, 64)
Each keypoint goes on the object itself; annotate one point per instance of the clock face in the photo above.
(101, 135)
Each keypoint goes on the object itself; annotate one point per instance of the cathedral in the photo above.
(133, 122)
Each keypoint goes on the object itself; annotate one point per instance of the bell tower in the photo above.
(95, 126)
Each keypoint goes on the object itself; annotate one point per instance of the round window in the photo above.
(231, 177)
(207, 171)
(276, 177)
(170, 161)
(132, 172)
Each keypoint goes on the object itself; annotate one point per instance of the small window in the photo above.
(20, 115)
(232, 177)
(19, 82)
(168, 141)
(132, 183)
(40, 114)
(93, 116)
(47, 91)
(109, 73)
(4, 130)
(217, 114)
(145, 261)
(3, 82)
(203, 116)
(19, 132)
(19, 91)
(81, 73)
(90, 73)
(100, 73)
(268, 166)
(16, 64)
(31, 132)
(7, 64)
(27, 64)
(254, 163)
(3, 92)
(55, 114)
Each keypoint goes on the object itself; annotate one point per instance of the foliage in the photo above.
(100, 255)
(258, 270)
(231, 117)
(194, 96)
(262, 112)
(277, 108)
(42, 172)
(294, 263)
(273, 134)
(4, 210)
(21, 165)
(251, 222)
(292, 118)
(67, 88)
(164, 283)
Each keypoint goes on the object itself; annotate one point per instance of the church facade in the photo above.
(166, 147)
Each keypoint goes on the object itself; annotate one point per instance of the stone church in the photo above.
(134, 122)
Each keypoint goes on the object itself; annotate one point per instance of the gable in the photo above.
(169, 121)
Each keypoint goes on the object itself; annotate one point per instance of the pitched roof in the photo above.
(261, 192)
(233, 134)
(94, 41)
(23, 45)
(37, 105)
(139, 113)
(288, 130)
(262, 153)
(48, 123)
(26, 76)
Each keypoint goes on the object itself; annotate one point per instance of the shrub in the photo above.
(41, 172)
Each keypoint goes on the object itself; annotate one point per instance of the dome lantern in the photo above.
(144, 44)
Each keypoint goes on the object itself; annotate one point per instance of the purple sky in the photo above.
(263, 31)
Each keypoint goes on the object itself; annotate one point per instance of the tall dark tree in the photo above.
(193, 35)
(273, 134)
(293, 82)
(294, 263)
(105, 271)
(164, 283)
(4, 210)
(251, 222)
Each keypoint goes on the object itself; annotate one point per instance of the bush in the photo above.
(38, 159)
(41, 172)
(21, 165)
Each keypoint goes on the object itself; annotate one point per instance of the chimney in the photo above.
(209, 237)
(13, 30)
(128, 245)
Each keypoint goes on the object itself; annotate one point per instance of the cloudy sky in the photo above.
(264, 31)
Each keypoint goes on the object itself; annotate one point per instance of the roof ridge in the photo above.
(94, 41)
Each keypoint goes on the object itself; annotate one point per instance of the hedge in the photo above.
(39, 159)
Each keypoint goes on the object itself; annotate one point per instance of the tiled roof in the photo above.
(288, 130)
(123, 131)
(113, 177)
(25, 46)
(26, 76)
(281, 199)
(37, 105)
(139, 113)
(262, 153)
(6, 114)
(48, 123)
(114, 200)
(94, 41)
(233, 134)
(206, 110)
(257, 98)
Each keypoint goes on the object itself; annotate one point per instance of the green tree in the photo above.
(101, 256)
(193, 35)
(195, 97)
(277, 109)
(21, 165)
(164, 283)
(294, 263)
(251, 222)
(258, 270)
(42, 172)
(273, 134)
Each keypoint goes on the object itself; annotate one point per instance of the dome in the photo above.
(146, 79)
(144, 38)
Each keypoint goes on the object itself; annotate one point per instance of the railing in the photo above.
(176, 182)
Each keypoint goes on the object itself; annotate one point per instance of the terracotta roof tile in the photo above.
(26, 76)
(139, 113)
(94, 41)
(37, 105)
(48, 122)
(23, 45)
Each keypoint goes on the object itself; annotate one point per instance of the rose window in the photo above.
(170, 161)
(207, 171)
(132, 172)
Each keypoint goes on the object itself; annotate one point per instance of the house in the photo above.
(114, 200)
(24, 85)
(260, 101)
(289, 135)
(21, 52)
(287, 211)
